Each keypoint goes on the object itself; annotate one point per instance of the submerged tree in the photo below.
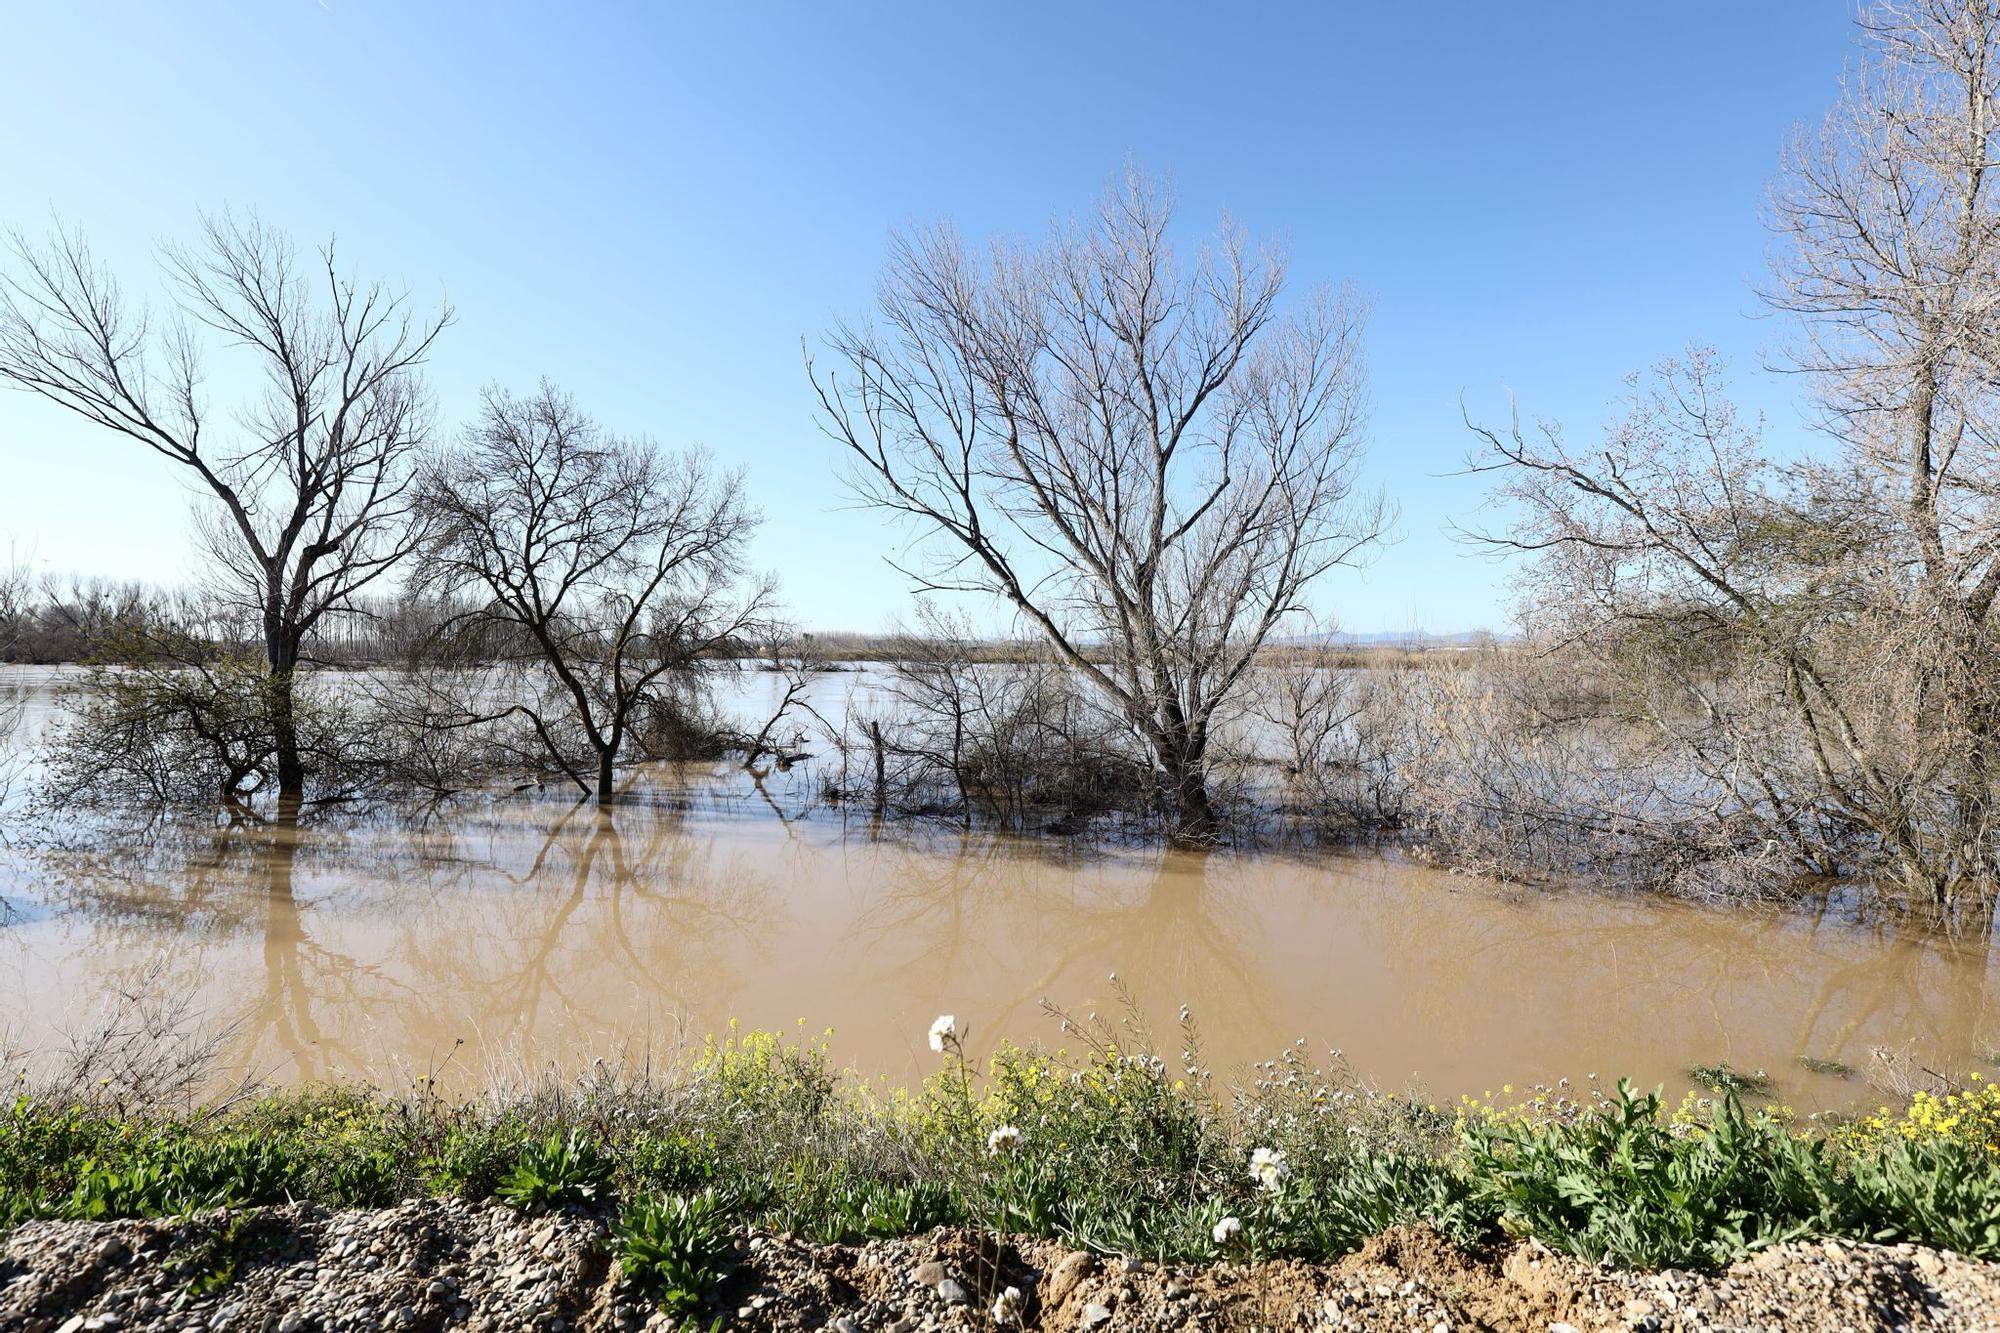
(1142, 456)
(310, 476)
(1827, 626)
(607, 567)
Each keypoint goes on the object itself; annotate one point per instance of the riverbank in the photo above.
(756, 1170)
(434, 1263)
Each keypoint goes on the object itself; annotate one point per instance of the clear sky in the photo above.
(653, 204)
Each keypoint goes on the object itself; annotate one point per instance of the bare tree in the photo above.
(311, 479)
(1141, 456)
(795, 661)
(613, 567)
(1889, 219)
(1819, 637)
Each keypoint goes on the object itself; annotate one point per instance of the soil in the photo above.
(437, 1264)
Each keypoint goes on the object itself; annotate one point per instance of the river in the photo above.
(499, 934)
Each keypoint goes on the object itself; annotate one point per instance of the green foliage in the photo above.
(1334, 1212)
(178, 1174)
(40, 1149)
(470, 1160)
(1934, 1191)
(207, 1264)
(1622, 1185)
(675, 1248)
(677, 1163)
(1725, 1079)
(555, 1172)
(882, 1211)
(1108, 1225)
(1110, 1152)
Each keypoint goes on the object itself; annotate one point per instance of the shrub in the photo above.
(471, 1160)
(676, 1163)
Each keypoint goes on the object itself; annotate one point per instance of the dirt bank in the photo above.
(437, 1264)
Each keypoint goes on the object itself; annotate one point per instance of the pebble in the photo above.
(1071, 1271)
(451, 1265)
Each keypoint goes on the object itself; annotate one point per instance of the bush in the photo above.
(1933, 1191)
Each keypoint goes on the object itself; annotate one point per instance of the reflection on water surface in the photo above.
(529, 928)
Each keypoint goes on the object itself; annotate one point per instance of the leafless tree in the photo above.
(311, 479)
(796, 662)
(1141, 456)
(1819, 636)
(1815, 639)
(1889, 222)
(1307, 701)
(612, 568)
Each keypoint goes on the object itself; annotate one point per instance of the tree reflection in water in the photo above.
(532, 929)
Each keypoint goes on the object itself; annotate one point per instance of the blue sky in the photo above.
(653, 204)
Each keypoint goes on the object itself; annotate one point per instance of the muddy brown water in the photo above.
(522, 929)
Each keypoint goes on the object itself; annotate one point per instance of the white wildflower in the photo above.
(1003, 1140)
(943, 1031)
(1228, 1229)
(1268, 1169)
(1007, 1306)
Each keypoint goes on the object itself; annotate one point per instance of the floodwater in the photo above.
(525, 929)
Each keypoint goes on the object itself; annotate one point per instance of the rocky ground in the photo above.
(444, 1264)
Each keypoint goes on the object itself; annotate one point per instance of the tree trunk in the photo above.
(1191, 822)
(1183, 774)
(606, 779)
(881, 767)
(285, 736)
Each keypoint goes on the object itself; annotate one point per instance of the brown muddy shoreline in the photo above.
(448, 1264)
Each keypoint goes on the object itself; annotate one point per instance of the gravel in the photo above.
(447, 1264)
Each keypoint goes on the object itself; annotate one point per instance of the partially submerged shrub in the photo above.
(1723, 1078)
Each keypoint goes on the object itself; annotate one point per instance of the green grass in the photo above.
(1118, 1151)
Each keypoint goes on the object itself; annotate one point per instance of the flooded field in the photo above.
(524, 928)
